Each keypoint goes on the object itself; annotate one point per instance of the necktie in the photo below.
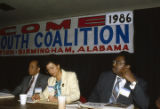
(114, 96)
(30, 84)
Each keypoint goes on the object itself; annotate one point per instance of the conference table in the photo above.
(13, 103)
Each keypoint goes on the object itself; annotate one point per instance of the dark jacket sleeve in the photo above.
(19, 88)
(96, 95)
(42, 81)
(140, 96)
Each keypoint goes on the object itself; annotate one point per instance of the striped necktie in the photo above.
(30, 84)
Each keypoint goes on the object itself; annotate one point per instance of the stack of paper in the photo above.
(6, 95)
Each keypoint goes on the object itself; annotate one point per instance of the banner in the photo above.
(100, 33)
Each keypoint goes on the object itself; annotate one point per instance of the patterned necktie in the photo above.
(114, 96)
(30, 84)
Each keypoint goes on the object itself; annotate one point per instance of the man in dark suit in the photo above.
(120, 86)
(35, 80)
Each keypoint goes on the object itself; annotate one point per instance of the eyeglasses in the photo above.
(118, 62)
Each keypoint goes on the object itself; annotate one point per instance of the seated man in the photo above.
(34, 80)
(120, 86)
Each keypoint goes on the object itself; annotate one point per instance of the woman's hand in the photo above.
(35, 97)
(53, 99)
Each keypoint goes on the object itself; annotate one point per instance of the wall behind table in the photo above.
(147, 49)
(145, 61)
(87, 67)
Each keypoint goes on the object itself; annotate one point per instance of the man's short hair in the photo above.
(126, 56)
(38, 63)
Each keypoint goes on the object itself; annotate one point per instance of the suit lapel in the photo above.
(110, 80)
(38, 81)
(63, 83)
(26, 85)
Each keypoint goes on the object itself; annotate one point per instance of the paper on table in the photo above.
(74, 105)
(29, 100)
(6, 95)
(45, 101)
(117, 106)
(105, 106)
(93, 105)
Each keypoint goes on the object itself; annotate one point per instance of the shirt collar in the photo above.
(122, 79)
(35, 76)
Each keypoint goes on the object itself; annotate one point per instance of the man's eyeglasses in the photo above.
(118, 62)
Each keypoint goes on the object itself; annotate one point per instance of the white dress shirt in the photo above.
(30, 92)
(122, 83)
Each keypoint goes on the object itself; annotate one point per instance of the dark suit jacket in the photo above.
(103, 91)
(42, 81)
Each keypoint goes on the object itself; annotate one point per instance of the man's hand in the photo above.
(127, 74)
(53, 99)
(35, 97)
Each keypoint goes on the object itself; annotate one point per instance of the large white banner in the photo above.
(101, 33)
